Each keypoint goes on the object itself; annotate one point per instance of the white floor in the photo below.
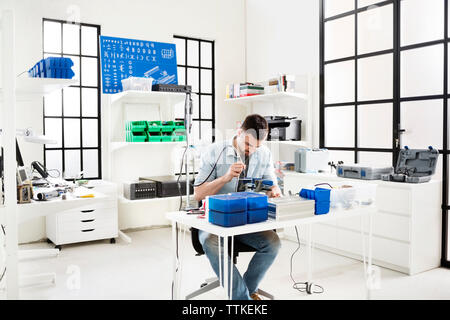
(143, 270)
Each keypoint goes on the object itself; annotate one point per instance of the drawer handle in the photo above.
(87, 211)
(87, 230)
(90, 220)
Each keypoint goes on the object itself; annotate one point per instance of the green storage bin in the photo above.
(166, 138)
(154, 126)
(136, 136)
(178, 138)
(136, 126)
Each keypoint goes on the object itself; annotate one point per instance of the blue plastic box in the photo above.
(228, 203)
(258, 215)
(227, 219)
(53, 67)
(321, 197)
(254, 200)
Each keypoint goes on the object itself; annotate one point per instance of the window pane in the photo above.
(422, 121)
(71, 133)
(71, 102)
(375, 29)
(421, 21)
(206, 134)
(181, 50)
(90, 133)
(53, 103)
(89, 98)
(89, 72)
(206, 79)
(53, 160)
(340, 38)
(340, 126)
(335, 7)
(195, 132)
(72, 163)
(53, 130)
(52, 36)
(340, 82)
(375, 78)
(90, 163)
(89, 41)
(192, 53)
(75, 68)
(206, 107)
(71, 38)
(373, 119)
(206, 54)
(422, 71)
(181, 75)
(195, 107)
(347, 156)
(192, 79)
(438, 173)
(376, 159)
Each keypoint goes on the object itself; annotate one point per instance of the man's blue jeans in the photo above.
(266, 244)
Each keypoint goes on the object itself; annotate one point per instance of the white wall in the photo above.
(283, 37)
(157, 20)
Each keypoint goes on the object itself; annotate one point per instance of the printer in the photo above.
(284, 128)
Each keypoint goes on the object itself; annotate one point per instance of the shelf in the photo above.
(31, 88)
(134, 96)
(290, 143)
(271, 97)
(124, 200)
(119, 145)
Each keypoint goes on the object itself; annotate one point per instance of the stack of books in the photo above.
(288, 208)
(282, 83)
(240, 90)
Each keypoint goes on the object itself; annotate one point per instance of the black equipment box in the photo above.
(167, 186)
(171, 88)
(284, 128)
(139, 190)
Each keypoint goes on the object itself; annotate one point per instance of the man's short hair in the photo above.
(256, 125)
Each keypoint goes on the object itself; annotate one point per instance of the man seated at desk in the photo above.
(222, 165)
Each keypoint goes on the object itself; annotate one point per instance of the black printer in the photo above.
(284, 128)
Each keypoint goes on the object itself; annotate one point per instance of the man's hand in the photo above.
(234, 171)
(275, 192)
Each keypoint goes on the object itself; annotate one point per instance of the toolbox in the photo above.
(359, 171)
(414, 165)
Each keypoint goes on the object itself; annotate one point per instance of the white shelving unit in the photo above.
(297, 104)
(15, 89)
(141, 158)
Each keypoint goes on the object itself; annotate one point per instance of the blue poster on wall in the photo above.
(122, 58)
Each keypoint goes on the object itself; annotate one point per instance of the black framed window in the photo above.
(384, 83)
(72, 115)
(195, 60)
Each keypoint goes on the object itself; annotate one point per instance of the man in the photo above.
(222, 166)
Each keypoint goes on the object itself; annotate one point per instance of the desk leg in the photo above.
(175, 261)
(370, 270)
(309, 253)
(220, 260)
(226, 268)
(231, 268)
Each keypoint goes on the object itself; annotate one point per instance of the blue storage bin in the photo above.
(228, 203)
(319, 194)
(322, 207)
(227, 219)
(53, 67)
(254, 200)
(259, 215)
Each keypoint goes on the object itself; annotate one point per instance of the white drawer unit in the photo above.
(86, 223)
(406, 228)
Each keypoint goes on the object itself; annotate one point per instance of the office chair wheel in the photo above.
(58, 247)
(112, 241)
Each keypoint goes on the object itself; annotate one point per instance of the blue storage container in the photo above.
(258, 215)
(322, 207)
(228, 203)
(228, 219)
(53, 67)
(321, 197)
(254, 200)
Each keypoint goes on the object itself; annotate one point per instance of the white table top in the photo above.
(202, 224)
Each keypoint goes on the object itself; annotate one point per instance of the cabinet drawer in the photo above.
(388, 251)
(87, 214)
(85, 235)
(394, 200)
(98, 205)
(87, 224)
(383, 224)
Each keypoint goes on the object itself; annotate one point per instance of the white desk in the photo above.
(194, 221)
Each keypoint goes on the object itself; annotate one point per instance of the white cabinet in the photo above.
(406, 228)
(86, 223)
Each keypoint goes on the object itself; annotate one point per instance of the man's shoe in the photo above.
(255, 296)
